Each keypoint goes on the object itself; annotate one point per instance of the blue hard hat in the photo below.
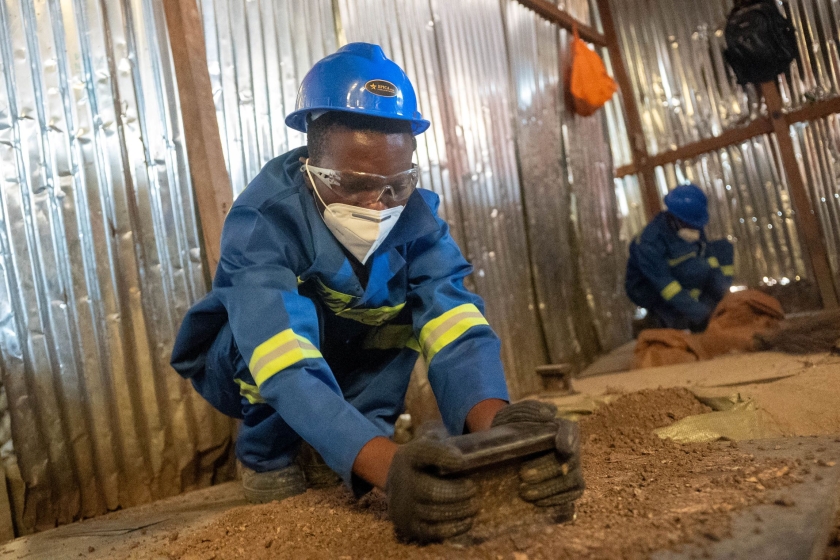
(358, 78)
(688, 203)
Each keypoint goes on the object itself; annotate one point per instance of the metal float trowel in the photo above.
(492, 459)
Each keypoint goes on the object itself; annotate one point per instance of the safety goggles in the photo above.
(366, 188)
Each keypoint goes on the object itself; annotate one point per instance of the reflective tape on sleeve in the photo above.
(682, 259)
(438, 333)
(672, 289)
(728, 269)
(250, 392)
(278, 353)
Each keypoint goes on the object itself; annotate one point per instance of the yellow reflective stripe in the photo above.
(672, 289)
(340, 304)
(441, 331)
(388, 337)
(334, 300)
(683, 258)
(728, 269)
(695, 293)
(299, 281)
(279, 352)
(250, 392)
(376, 316)
(713, 262)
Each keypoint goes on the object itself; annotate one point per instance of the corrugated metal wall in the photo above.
(685, 92)
(258, 51)
(566, 173)
(99, 260)
(817, 146)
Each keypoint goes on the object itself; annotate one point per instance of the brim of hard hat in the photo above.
(698, 223)
(297, 119)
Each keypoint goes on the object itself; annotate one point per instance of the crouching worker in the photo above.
(335, 273)
(674, 272)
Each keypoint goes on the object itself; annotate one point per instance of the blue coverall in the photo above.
(291, 342)
(677, 281)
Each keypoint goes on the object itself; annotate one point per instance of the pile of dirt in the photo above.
(643, 494)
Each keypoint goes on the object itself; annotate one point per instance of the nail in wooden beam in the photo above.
(210, 180)
(809, 225)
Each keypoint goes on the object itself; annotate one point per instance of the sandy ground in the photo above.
(643, 494)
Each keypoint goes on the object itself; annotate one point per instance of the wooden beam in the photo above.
(814, 111)
(210, 180)
(565, 20)
(625, 170)
(762, 125)
(633, 118)
(734, 136)
(809, 225)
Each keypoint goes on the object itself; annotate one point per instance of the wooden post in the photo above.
(809, 225)
(211, 183)
(650, 195)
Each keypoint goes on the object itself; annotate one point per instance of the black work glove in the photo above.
(424, 506)
(553, 478)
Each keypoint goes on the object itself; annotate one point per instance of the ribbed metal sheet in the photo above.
(749, 204)
(471, 43)
(631, 208)
(818, 150)
(566, 175)
(258, 51)
(99, 260)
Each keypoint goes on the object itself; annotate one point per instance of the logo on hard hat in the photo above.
(382, 88)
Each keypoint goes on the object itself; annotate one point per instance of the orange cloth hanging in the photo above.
(589, 84)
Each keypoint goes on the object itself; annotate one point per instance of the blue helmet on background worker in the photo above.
(360, 79)
(688, 203)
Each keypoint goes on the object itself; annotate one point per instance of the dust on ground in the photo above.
(643, 494)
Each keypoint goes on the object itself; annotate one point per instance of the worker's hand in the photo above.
(554, 478)
(423, 506)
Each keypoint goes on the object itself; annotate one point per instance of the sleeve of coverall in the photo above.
(721, 258)
(276, 330)
(460, 348)
(654, 266)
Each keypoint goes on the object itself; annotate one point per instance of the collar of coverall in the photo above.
(415, 221)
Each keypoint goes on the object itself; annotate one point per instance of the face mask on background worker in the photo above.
(689, 234)
(362, 230)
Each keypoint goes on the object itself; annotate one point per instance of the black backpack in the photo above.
(761, 42)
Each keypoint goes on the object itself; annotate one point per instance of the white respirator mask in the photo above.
(360, 230)
(689, 234)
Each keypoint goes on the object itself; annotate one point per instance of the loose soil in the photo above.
(643, 494)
